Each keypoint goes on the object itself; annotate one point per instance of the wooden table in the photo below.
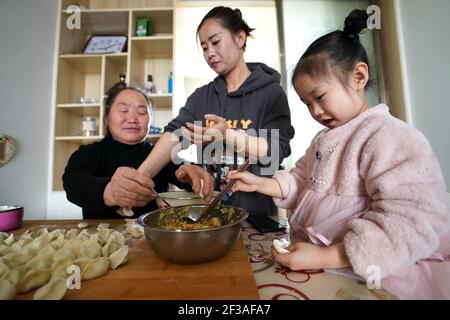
(145, 276)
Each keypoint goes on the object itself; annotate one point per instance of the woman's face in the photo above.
(129, 118)
(221, 50)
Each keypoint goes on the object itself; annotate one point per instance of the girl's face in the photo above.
(221, 50)
(328, 102)
(129, 118)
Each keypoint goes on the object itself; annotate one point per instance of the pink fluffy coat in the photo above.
(375, 184)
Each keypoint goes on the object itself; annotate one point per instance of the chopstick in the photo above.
(219, 197)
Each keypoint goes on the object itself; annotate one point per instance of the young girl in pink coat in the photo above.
(369, 193)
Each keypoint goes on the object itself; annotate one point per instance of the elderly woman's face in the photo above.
(129, 118)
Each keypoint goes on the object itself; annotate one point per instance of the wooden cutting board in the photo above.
(145, 276)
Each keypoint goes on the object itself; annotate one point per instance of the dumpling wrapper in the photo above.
(96, 268)
(54, 290)
(119, 257)
(34, 279)
(7, 290)
(280, 245)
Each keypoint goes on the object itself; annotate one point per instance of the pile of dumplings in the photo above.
(40, 259)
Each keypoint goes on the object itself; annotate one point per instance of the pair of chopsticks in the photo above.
(219, 197)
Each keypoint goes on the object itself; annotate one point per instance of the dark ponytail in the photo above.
(230, 19)
(337, 52)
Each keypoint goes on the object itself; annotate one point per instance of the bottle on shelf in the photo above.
(170, 83)
(150, 85)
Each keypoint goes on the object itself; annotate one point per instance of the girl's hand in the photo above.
(247, 182)
(302, 256)
(307, 256)
(206, 135)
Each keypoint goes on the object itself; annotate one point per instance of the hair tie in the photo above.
(353, 36)
(238, 12)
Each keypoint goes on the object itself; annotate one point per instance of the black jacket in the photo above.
(259, 103)
(91, 167)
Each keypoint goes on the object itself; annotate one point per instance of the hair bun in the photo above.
(355, 22)
(238, 12)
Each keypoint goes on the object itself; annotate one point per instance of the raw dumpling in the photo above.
(90, 249)
(280, 245)
(126, 212)
(109, 248)
(71, 234)
(42, 231)
(96, 268)
(82, 262)
(104, 234)
(10, 240)
(59, 270)
(3, 236)
(7, 290)
(4, 270)
(4, 249)
(103, 226)
(47, 251)
(55, 234)
(83, 225)
(119, 257)
(54, 290)
(33, 279)
(63, 254)
(16, 275)
(40, 262)
(84, 235)
(118, 238)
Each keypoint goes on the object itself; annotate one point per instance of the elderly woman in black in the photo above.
(101, 177)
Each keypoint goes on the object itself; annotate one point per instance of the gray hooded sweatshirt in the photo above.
(259, 103)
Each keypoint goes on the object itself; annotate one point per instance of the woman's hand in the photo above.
(307, 256)
(205, 135)
(194, 175)
(128, 188)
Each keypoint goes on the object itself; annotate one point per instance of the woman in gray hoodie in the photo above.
(244, 111)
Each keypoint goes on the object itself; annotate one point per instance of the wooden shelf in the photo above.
(81, 110)
(120, 4)
(84, 55)
(91, 75)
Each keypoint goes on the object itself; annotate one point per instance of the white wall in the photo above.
(304, 22)
(27, 46)
(425, 27)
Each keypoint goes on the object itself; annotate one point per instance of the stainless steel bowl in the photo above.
(192, 246)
